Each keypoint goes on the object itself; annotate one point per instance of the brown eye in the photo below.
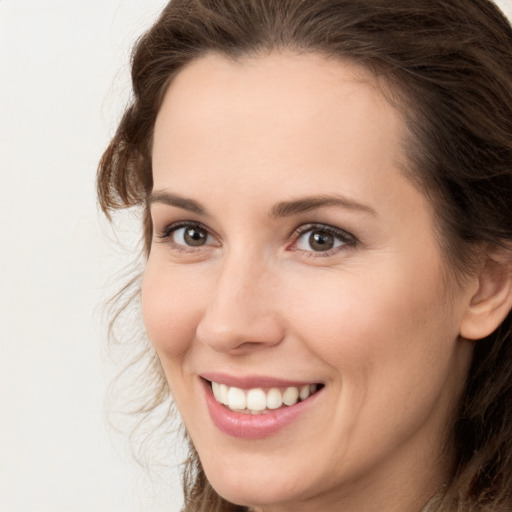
(194, 236)
(321, 241)
(323, 238)
(189, 235)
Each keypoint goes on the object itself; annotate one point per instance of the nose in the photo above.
(241, 314)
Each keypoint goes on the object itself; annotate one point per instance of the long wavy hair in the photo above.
(447, 67)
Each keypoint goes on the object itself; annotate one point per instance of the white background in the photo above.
(63, 84)
(64, 74)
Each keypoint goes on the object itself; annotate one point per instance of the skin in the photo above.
(376, 321)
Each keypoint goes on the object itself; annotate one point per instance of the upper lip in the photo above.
(253, 381)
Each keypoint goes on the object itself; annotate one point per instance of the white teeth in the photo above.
(290, 396)
(304, 392)
(274, 399)
(236, 399)
(256, 401)
(216, 392)
(223, 394)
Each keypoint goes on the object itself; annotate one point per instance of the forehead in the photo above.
(294, 114)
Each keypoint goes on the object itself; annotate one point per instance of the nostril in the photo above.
(237, 334)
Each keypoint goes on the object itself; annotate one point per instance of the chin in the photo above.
(254, 484)
(252, 493)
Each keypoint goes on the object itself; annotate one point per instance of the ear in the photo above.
(492, 301)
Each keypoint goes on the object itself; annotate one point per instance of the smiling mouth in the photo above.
(260, 401)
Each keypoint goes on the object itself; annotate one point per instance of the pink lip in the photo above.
(253, 381)
(248, 426)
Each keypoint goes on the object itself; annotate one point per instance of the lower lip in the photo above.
(249, 426)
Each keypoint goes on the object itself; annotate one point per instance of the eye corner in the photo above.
(330, 240)
(175, 235)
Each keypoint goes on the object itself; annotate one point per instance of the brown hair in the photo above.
(448, 64)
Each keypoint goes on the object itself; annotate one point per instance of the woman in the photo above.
(327, 192)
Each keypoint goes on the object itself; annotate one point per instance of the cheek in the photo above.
(391, 344)
(383, 319)
(170, 308)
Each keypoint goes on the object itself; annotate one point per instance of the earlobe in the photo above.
(492, 301)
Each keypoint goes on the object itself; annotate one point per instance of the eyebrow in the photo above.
(177, 201)
(306, 204)
(281, 209)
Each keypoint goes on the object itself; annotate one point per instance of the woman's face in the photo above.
(292, 258)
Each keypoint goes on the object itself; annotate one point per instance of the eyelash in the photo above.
(168, 231)
(347, 240)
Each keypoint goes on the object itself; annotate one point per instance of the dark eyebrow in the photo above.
(306, 204)
(282, 209)
(177, 201)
